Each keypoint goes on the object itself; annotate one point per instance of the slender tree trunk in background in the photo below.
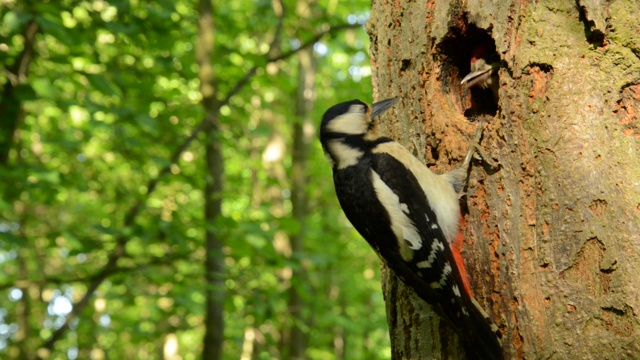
(214, 259)
(214, 262)
(302, 136)
(11, 115)
(10, 101)
(553, 236)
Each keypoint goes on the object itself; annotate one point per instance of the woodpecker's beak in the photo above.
(478, 76)
(380, 107)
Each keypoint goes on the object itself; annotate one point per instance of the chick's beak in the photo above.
(480, 74)
(380, 107)
(476, 77)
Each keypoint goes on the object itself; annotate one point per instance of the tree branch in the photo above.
(95, 281)
(59, 280)
(313, 40)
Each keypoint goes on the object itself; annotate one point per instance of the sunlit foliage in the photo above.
(111, 93)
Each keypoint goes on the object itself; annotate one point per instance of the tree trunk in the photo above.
(301, 139)
(553, 237)
(214, 259)
(13, 91)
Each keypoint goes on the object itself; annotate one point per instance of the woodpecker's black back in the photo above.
(383, 191)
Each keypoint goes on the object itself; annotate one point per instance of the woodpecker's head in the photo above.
(344, 127)
(484, 68)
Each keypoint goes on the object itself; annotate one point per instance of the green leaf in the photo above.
(290, 225)
(11, 239)
(14, 21)
(49, 177)
(256, 241)
(147, 123)
(25, 92)
(104, 85)
(52, 25)
(44, 88)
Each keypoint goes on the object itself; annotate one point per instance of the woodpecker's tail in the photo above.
(484, 337)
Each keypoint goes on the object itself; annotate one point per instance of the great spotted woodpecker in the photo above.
(409, 215)
(484, 70)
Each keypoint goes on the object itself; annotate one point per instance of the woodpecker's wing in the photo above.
(422, 249)
(423, 258)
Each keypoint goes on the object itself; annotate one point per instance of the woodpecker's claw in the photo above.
(458, 176)
(476, 149)
(475, 145)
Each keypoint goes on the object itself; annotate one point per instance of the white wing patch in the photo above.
(405, 208)
(406, 233)
(412, 237)
(343, 154)
(446, 271)
(443, 199)
(456, 290)
(437, 247)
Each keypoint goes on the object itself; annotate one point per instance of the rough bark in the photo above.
(214, 259)
(553, 235)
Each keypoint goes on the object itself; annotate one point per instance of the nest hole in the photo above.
(456, 52)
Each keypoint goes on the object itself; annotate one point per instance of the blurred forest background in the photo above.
(161, 177)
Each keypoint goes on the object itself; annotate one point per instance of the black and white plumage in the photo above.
(408, 215)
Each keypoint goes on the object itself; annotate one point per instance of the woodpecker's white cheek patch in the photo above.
(407, 235)
(344, 154)
(353, 122)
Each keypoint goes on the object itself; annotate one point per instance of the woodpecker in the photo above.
(484, 70)
(408, 215)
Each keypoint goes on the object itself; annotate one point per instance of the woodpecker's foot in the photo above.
(482, 155)
(475, 145)
(476, 151)
(418, 151)
(458, 176)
